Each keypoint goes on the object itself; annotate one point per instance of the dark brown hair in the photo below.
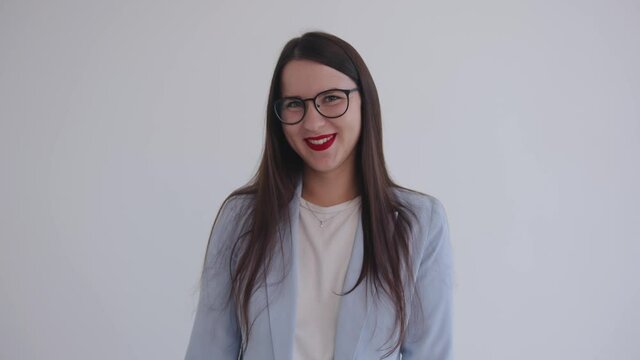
(385, 221)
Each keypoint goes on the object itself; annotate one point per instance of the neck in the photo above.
(328, 189)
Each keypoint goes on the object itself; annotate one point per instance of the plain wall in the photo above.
(124, 124)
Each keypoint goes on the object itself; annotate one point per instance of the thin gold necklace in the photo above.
(305, 204)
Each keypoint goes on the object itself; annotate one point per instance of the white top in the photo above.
(323, 256)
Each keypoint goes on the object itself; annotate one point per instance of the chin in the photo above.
(323, 168)
(319, 169)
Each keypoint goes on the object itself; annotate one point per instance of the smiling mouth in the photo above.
(319, 140)
(320, 143)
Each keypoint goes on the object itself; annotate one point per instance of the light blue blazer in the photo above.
(364, 324)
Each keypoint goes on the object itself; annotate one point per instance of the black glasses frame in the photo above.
(347, 92)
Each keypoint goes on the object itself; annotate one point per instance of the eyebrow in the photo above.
(320, 92)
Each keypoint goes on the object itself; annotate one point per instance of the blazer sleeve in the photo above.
(215, 334)
(429, 329)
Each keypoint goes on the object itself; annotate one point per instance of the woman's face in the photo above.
(306, 79)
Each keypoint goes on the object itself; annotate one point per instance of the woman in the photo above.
(322, 255)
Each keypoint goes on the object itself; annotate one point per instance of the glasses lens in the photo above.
(289, 110)
(332, 103)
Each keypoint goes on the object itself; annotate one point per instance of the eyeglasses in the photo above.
(331, 104)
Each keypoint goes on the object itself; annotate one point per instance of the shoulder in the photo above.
(232, 215)
(229, 223)
(431, 230)
(427, 208)
(236, 204)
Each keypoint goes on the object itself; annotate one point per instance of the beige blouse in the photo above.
(325, 240)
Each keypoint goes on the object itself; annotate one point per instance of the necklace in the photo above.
(305, 204)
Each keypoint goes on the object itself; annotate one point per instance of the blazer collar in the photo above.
(281, 291)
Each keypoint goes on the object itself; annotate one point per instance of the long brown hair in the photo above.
(386, 221)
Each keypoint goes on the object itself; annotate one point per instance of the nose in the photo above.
(312, 120)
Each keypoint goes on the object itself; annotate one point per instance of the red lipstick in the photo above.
(322, 146)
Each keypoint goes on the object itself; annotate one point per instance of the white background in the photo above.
(124, 124)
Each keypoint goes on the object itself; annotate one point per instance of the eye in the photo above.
(332, 97)
(292, 104)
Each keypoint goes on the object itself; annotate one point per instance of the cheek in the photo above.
(355, 122)
(356, 128)
(289, 134)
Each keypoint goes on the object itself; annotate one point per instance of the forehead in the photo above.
(307, 78)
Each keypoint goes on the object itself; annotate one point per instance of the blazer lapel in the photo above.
(354, 307)
(282, 284)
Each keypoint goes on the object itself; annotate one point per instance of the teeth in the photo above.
(321, 141)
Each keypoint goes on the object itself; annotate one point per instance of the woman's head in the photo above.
(324, 133)
(309, 65)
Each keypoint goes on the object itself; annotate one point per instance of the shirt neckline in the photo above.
(330, 209)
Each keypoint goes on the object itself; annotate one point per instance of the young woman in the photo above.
(322, 255)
